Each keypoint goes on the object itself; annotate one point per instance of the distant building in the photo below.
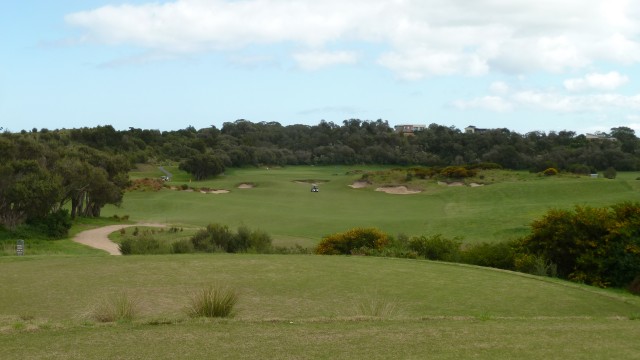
(474, 130)
(409, 129)
(599, 136)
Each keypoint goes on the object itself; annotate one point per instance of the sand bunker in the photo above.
(222, 191)
(359, 184)
(397, 190)
(246, 186)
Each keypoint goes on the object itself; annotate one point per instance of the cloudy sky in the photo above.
(545, 65)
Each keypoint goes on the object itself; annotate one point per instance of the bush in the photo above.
(499, 255)
(55, 225)
(184, 246)
(346, 242)
(213, 301)
(436, 247)
(597, 246)
(634, 287)
(550, 172)
(610, 173)
(143, 245)
(457, 172)
(218, 237)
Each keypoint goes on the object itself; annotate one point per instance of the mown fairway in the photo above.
(292, 214)
(296, 306)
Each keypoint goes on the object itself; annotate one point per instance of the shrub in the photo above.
(597, 246)
(216, 237)
(184, 246)
(143, 245)
(457, 172)
(436, 247)
(55, 225)
(610, 173)
(550, 172)
(498, 255)
(344, 243)
(214, 301)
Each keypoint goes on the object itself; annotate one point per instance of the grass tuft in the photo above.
(120, 307)
(376, 306)
(214, 301)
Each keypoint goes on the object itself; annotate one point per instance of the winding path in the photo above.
(99, 238)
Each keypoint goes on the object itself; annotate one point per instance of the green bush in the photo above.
(345, 243)
(457, 172)
(216, 237)
(550, 172)
(610, 173)
(597, 246)
(184, 246)
(142, 245)
(436, 247)
(55, 225)
(499, 255)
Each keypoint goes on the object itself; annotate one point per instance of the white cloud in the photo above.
(597, 81)
(315, 60)
(491, 103)
(499, 87)
(423, 37)
(552, 101)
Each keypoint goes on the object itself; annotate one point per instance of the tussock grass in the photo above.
(213, 301)
(376, 305)
(119, 307)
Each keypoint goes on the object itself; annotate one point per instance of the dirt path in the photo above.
(99, 238)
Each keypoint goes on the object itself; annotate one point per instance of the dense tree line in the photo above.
(42, 171)
(45, 175)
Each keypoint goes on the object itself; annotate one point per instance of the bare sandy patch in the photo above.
(221, 191)
(359, 184)
(397, 190)
(475, 184)
(246, 186)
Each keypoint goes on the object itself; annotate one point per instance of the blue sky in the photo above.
(519, 64)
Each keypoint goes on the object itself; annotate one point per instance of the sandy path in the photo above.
(99, 238)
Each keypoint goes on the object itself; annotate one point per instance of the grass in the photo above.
(301, 306)
(291, 214)
(117, 307)
(213, 301)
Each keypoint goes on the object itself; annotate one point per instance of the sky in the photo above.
(544, 65)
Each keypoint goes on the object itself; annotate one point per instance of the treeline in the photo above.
(43, 170)
(206, 152)
(46, 179)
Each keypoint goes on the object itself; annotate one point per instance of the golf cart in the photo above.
(314, 188)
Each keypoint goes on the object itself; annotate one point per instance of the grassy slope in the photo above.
(292, 214)
(306, 307)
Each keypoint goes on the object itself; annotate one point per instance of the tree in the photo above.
(202, 166)
(27, 190)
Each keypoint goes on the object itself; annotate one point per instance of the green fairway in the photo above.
(297, 306)
(285, 207)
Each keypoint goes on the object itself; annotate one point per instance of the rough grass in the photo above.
(117, 307)
(214, 301)
(301, 307)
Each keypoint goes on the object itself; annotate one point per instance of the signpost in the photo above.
(20, 248)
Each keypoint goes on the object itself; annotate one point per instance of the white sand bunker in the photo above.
(397, 190)
(221, 191)
(359, 184)
(246, 186)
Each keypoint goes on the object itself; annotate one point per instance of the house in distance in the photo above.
(409, 129)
